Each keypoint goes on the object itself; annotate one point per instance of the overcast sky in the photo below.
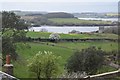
(59, 0)
(61, 5)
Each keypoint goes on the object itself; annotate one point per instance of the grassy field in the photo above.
(25, 53)
(106, 46)
(38, 34)
(79, 36)
(65, 50)
(77, 21)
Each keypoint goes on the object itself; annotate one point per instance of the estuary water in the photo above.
(103, 19)
(65, 29)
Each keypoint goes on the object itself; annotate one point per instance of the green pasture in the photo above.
(65, 50)
(72, 36)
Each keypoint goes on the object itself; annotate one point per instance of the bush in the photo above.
(54, 37)
(88, 60)
(44, 65)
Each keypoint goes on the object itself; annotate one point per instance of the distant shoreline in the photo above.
(74, 25)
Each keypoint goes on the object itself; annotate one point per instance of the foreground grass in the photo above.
(26, 53)
(65, 50)
(68, 36)
(105, 69)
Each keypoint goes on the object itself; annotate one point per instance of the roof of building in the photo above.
(4, 75)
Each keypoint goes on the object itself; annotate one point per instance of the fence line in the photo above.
(71, 40)
(106, 75)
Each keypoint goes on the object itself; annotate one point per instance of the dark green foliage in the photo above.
(115, 56)
(41, 21)
(88, 60)
(19, 36)
(9, 38)
(44, 65)
(8, 47)
(119, 59)
(12, 32)
(59, 15)
(8, 44)
(10, 20)
(37, 14)
(113, 30)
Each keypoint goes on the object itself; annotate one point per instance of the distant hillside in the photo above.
(35, 14)
(63, 19)
(59, 15)
(23, 13)
(52, 15)
(95, 15)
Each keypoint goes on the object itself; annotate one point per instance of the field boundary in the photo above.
(70, 40)
(106, 75)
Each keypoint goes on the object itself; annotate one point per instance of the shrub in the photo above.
(54, 37)
(44, 65)
(88, 60)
